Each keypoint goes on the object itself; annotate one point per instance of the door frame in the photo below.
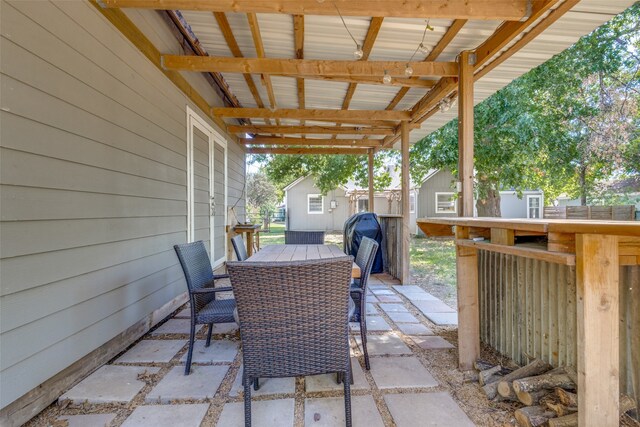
(540, 207)
(194, 120)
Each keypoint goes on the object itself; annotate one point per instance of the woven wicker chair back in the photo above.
(293, 316)
(365, 259)
(239, 248)
(195, 263)
(304, 237)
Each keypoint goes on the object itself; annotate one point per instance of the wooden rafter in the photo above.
(227, 33)
(419, 83)
(448, 36)
(257, 41)
(298, 32)
(355, 116)
(508, 10)
(304, 150)
(306, 130)
(306, 66)
(334, 142)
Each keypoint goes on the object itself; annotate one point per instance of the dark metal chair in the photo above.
(205, 308)
(304, 237)
(296, 322)
(364, 259)
(239, 247)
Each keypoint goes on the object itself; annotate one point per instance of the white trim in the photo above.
(415, 202)
(455, 203)
(294, 183)
(358, 203)
(309, 196)
(540, 210)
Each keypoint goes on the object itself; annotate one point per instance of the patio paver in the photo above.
(330, 412)
(400, 372)
(264, 413)
(402, 317)
(152, 351)
(393, 308)
(220, 351)
(91, 420)
(224, 328)
(201, 383)
(167, 415)
(327, 382)
(374, 324)
(176, 326)
(109, 384)
(426, 409)
(443, 318)
(267, 386)
(432, 343)
(414, 329)
(435, 306)
(387, 344)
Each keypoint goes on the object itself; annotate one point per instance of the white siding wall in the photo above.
(93, 196)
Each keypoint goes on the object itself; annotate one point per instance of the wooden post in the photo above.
(371, 195)
(597, 275)
(465, 134)
(406, 217)
(468, 303)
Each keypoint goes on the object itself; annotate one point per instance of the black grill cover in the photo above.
(363, 224)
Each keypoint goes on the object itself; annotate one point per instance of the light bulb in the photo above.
(422, 48)
(408, 71)
(358, 53)
(386, 79)
(445, 105)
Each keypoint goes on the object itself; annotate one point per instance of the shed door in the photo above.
(206, 187)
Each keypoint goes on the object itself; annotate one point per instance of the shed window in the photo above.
(315, 204)
(412, 203)
(445, 203)
(363, 205)
(534, 206)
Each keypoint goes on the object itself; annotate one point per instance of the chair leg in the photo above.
(192, 336)
(256, 384)
(247, 401)
(347, 397)
(363, 335)
(209, 335)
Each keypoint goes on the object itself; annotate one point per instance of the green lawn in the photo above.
(433, 261)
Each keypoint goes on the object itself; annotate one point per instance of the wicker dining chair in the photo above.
(205, 307)
(364, 259)
(295, 323)
(303, 237)
(239, 248)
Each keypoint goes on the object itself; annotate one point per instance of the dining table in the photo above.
(284, 253)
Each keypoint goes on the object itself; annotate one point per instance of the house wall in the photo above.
(441, 181)
(511, 206)
(329, 220)
(93, 188)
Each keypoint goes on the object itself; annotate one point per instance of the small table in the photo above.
(249, 230)
(283, 253)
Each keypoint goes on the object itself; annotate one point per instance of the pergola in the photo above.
(290, 84)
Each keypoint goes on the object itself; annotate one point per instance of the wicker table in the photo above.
(275, 253)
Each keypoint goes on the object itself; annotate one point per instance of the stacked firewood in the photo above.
(548, 395)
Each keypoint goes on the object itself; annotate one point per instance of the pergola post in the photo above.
(405, 239)
(467, 258)
(465, 134)
(371, 196)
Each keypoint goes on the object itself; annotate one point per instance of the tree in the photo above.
(261, 193)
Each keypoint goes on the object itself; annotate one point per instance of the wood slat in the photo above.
(312, 114)
(264, 140)
(401, 82)
(507, 10)
(306, 66)
(299, 150)
(327, 130)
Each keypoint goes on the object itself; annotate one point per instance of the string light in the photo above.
(358, 53)
(386, 79)
(444, 105)
(408, 71)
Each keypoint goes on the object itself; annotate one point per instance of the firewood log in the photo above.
(531, 398)
(489, 375)
(482, 365)
(536, 367)
(533, 416)
(566, 397)
(560, 409)
(505, 390)
(547, 381)
(571, 420)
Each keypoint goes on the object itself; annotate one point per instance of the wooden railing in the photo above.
(566, 291)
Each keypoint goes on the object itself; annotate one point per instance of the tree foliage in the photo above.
(261, 193)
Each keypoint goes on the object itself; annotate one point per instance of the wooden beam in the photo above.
(305, 66)
(370, 177)
(119, 20)
(315, 114)
(306, 130)
(399, 82)
(597, 280)
(335, 142)
(448, 36)
(302, 150)
(298, 42)
(257, 41)
(435, 95)
(406, 215)
(465, 134)
(508, 10)
(468, 302)
(227, 33)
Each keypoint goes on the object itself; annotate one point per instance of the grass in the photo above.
(276, 236)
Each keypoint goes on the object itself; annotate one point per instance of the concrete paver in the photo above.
(387, 344)
(435, 306)
(91, 420)
(374, 324)
(267, 386)
(201, 383)
(443, 318)
(432, 343)
(414, 329)
(402, 317)
(176, 326)
(330, 412)
(264, 413)
(400, 372)
(152, 351)
(426, 409)
(220, 351)
(327, 382)
(224, 328)
(167, 415)
(393, 308)
(110, 383)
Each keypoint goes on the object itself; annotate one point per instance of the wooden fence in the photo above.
(618, 213)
